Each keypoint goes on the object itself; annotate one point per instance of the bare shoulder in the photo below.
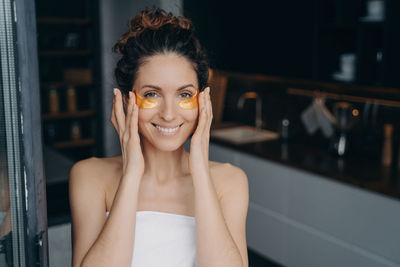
(226, 171)
(227, 177)
(99, 172)
(95, 178)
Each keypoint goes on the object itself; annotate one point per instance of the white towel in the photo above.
(164, 239)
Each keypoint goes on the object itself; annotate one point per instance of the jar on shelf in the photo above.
(71, 99)
(54, 102)
(51, 133)
(75, 130)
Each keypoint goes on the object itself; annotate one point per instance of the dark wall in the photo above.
(270, 37)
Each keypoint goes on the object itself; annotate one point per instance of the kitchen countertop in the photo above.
(367, 174)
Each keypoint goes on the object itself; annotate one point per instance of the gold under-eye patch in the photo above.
(190, 103)
(142, 102)
(146, 103)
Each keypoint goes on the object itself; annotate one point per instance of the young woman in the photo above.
(157, 204)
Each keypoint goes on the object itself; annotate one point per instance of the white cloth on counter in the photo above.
(317, 116)
(164, 239)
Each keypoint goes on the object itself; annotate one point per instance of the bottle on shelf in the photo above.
(51, 133)
(71, 99)
(54, 104)
(75, 131)
(387, 145)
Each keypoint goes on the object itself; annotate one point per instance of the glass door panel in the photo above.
(23, 220)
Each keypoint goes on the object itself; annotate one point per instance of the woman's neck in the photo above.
(164, 166)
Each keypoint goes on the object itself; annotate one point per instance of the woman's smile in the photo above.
(167, 131)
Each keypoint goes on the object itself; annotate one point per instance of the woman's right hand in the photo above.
(127, 129)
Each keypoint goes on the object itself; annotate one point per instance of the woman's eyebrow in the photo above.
(185, 86)
(152, 86)
(159, 88)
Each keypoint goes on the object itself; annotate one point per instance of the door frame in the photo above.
(24, 137)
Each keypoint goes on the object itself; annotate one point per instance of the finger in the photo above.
(134, 96)
(129, 110)
(209, 103)
(134, 128)
(119, 111)
(206, 100)
(209, 114)
(113, 119)
(202, 115)
(134, 118)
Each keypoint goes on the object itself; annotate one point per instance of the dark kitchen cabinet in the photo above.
(301, 39)
(346, 27)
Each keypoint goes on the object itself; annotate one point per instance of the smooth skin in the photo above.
(155, 173)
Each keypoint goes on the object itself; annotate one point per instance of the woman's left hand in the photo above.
(199, 144)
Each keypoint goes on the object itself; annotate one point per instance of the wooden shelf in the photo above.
(68, 58)
(75, 143)
(376, 92)
(64, 53)
(62, 84)
(68, 115)
(74, 21)
(375, 22)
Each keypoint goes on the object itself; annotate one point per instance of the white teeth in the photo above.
(167, 130)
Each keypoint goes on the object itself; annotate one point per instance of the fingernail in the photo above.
(208, 89)
(130, 94)
(115, 91)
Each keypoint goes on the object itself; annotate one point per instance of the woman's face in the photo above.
(168, 79)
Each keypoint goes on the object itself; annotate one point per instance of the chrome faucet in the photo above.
(250, 95)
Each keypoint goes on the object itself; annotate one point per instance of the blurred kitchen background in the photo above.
(306, 100)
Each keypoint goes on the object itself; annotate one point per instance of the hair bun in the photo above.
(153, 19)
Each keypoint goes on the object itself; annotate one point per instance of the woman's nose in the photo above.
(168, 110)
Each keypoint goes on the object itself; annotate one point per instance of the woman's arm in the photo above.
(220, 228)
(221, 224)
(99, 241)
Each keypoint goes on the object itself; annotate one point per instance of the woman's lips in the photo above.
(167, 131)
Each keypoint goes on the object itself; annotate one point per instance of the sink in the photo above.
(243, 134)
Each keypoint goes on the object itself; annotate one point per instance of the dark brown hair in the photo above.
(154, 32)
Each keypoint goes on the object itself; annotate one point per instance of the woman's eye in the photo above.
(150, 94)
(186, 95)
